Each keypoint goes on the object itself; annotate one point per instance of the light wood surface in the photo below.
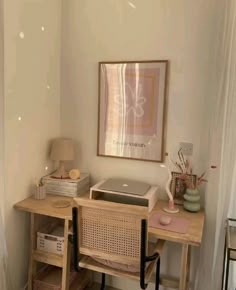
(66, 257)
(184, 267)
(90, 264)
(47, 258)
(192, 237)
(45, 206)
(32, 264)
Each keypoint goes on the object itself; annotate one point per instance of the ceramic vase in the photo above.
(192, 200)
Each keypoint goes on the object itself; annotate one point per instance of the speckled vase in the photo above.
(192, 200)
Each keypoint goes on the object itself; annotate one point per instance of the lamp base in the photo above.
(171, 207)
(61, 173)
(59, 176)
(170, 210)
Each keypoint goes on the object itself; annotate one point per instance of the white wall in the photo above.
(93, 31)
(112, 30)
(32, 92)
(106, 30)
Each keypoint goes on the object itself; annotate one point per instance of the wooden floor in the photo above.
(97, 286)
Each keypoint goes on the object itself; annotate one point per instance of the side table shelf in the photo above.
(38, 215)
(48, 258)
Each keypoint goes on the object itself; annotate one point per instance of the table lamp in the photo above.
(62, 150)
(171, 206)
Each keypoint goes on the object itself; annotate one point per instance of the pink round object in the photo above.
(165, 220)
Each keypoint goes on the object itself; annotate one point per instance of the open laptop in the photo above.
(125, 186)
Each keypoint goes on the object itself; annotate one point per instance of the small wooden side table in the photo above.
(229, 251)
(39, 209)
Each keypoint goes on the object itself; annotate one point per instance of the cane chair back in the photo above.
(110, 230)
(116, 234)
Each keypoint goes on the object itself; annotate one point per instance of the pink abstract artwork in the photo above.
(131, 109)
(136, 101)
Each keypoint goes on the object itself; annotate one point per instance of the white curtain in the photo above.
(227, 111)
(3, 249)
(3, 258)
(221, 189)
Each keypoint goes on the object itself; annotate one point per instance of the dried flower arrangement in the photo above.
(184, 165)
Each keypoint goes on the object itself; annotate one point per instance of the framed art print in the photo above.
(132, 100)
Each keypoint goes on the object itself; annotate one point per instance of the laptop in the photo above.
(125, 186)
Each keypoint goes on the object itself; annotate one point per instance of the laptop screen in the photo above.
(125, 186)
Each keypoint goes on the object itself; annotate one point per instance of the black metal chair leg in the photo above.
(158, 274)
(103, 281)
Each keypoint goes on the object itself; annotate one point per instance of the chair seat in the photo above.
(89, 263)
(131, 268)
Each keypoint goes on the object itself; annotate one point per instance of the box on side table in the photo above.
(52, 242)
(67, 187)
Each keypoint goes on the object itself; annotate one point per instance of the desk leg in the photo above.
(188, 267)
(66, 258)
(32, 263)
(185, 267)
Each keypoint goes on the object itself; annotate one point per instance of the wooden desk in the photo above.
(192, 238)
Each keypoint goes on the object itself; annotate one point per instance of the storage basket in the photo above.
(49, 278)
(52, 242)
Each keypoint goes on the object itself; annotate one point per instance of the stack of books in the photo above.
(67, 187)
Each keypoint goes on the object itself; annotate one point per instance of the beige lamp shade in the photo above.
(62, 149)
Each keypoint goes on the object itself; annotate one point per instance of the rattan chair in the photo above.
(117, 235)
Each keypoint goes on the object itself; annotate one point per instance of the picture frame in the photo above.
(132, 110)
(178, 186)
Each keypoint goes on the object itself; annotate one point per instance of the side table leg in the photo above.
(66, 258)
(33, 240)
(188, 267)
(185, 264)
(223, 273)
(227, 269)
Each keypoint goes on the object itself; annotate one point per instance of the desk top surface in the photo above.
(192, 237)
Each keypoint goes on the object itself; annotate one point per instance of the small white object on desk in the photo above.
(67, 187)
(39, 191)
